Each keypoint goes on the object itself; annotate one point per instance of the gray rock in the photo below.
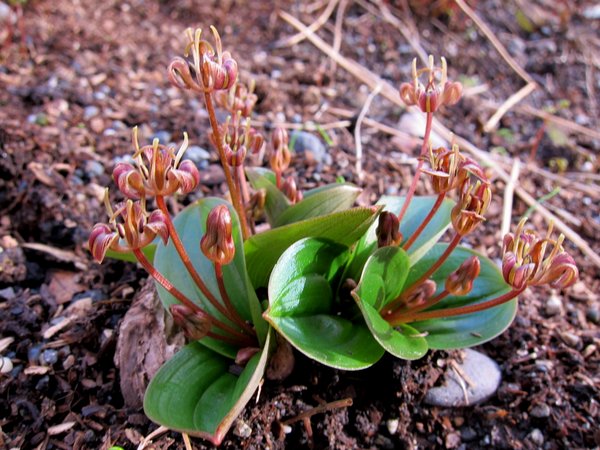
(571, 339)
(592, 12)
(309, 145)
(593, 314)
(49, 357)
(482, 371)
(90, 111)
(540, 411)
(94, 168)
(536, 437)
(197, 154)
(553, 306)
(164, 137)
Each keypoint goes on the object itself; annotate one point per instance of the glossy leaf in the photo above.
(196, 393)
(382, 281)
(276, 202)
(470, 329)
(264, 249)
(191, 224)
(302, 307)
(321, 201)
(417, 211)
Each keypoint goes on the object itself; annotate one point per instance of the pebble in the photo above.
(536, 437)
(540, 411)
(6, 364)
(309, 145)
(7, 293)
(164, 137)
(197, 155)
(33, 353)
(127, 159)
(553, 306)
(242, 429)
(468, 434)
(480, 369)
(392, 425)
(592, 12)
(452, 440)
(544, 365)
(90, 111)
(571, 339)
(593, 314)
(49, 357)
(94, 168)
(212, 176)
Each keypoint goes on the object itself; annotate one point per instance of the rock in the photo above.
(93, 169)
(592, 12)
(553, 306)
(164, 137)
(452, 440)
(242, 429)
(571, 339)
(49, 357)
(479, 369)
(6, 365)
(540, 411)
(90, 111)
(593, 314)
(7, 293)
(310, 145)
(413, 123)
(392, 425)
(212, 176)
(197, 155)
(536, 437)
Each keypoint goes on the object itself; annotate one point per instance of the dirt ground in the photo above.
(85, 72)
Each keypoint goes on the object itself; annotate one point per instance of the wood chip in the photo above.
(58, 429)
(64, 284)
(5, 342)
(59, 254)
(36, 370)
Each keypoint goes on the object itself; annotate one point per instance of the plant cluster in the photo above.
(341, 284)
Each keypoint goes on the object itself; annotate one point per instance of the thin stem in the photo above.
(243, 185)
(451, 246)
(419, 230)
(278, 179)
(398, 317)
(469, 309)
(235, 195)
(413, 186)
(226, 300)
(185, 258)
(160, 278)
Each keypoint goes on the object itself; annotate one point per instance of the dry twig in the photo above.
(357, 137)
(509, 192)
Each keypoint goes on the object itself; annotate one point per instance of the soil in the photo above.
(84, 72)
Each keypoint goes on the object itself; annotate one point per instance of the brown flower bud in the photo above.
(420, 295)
(388, 230)
(217, 243)
(290, 190)
(460, 282)
(195, 324)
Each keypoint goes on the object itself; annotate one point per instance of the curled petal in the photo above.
(180, 75)
(279, 138)
(101, 239)
(157, 225)
(187, 176)
(407, 94)
(452, 93)
(562, 272)
(129, 180)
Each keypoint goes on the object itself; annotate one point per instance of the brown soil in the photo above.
(89, 71)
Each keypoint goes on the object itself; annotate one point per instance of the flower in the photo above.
(431, 96)
(217, 243)
(524, 260)
(471, 207)
(280, 156)
(388, 230)
(137, 229)
(460, 282)
(159, 171)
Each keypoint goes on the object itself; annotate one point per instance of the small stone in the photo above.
(6, 364)
(309, 145)
(90, 111)
(33, 353)
(196, 154)
(536, 437)
(94, 168)
(482, 371)
(49, 357)
(544, 365)
(242, 429)
(384, 442)
(593, 314)
(213, 175)
(97, 125)
(468, 434)
(392, 425)
(164, 137)
(553, 306)
(571, 339)
(7, 293)
(540, 411)
(452, 440)
(592, 12)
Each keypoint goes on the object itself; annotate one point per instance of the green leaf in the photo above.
(149, 251)
(319, 202)
(264, 249)
(469, 329)
(191, 225)
(196, 393)
(302, 307)
(276, 202)
(382, 281)
(417, 211)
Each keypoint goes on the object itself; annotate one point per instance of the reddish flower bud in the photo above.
(290, 190)
(388, 230)
(217, 243)
(446, 168)
(245, 354)
(420, 295)
(101, 239)
(280, 156)
(279, 138)
(195, 324)
(460, 282)
(256, 206)
(235, 158)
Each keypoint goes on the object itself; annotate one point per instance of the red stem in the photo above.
(398, 317)
(185, 258)
(413, 186)
(233, 312)
(469, 309)
(159, 277)
(235, 195)
(419, 230)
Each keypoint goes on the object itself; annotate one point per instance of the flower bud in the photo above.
(388, 230)
(235, 158)
(245, 354)
(195, 324)
(101, 239)
(420, 295)
(290, 190)
(460, 282)
(217, 243)
(471, 207)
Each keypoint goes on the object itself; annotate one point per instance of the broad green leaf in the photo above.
(149, 251)
(191, 224)
(417, 211)
(276, 202)
(321, 201)
(196, 393)
(302, 307)
(469, 329)
(264, 249)
(382, 281)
